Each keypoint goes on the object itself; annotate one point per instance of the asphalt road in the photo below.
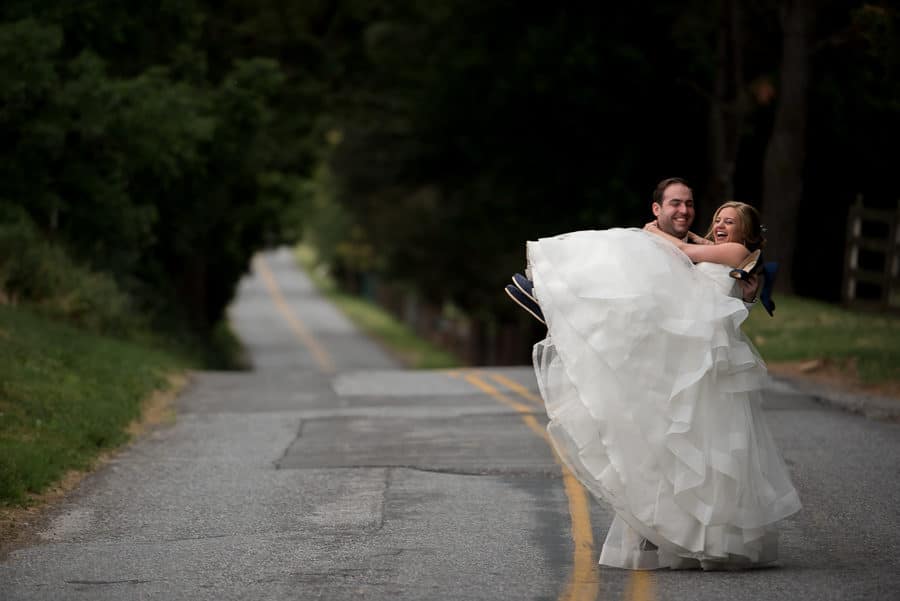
(330, 473)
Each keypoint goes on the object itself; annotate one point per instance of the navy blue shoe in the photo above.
(749, 266)
(769, 271)
(526, 302)
(524, 284)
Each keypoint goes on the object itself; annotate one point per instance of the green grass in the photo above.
(398, 338)
(804, 329)
(66, 396)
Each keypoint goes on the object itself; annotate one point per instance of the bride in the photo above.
(653, 392)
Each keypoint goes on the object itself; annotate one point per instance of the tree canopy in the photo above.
(163, 142)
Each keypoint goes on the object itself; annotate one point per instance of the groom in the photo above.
(673, 207)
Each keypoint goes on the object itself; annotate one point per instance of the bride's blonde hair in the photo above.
(751, 227)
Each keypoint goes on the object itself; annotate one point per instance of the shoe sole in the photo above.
(519, 286)
(510, 294)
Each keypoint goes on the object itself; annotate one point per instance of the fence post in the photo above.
(851, 251)
(892, 260)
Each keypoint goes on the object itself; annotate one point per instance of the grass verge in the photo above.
(865, 346)
(65, 397)
(395, 336)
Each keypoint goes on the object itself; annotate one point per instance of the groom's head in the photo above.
(673, 206)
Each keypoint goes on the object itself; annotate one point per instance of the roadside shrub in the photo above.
(39, 273)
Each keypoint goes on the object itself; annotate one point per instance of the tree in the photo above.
(476, 126)
(126, 150)
(786, 150)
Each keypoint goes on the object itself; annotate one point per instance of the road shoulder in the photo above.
(834, 387)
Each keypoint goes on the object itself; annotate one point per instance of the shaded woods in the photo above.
(417, 145)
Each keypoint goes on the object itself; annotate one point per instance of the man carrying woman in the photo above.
(673, 210)
(652, 390)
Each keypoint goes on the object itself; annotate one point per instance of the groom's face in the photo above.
(676, 213)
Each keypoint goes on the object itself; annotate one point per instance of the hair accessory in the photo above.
(763, 228)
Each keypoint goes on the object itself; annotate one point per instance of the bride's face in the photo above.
(727, 226)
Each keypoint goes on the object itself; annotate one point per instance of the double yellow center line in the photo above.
(320, 355)
(583, 584)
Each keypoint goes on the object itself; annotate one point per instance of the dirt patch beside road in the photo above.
(840, 376)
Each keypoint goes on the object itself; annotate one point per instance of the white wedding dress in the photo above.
(653, 394)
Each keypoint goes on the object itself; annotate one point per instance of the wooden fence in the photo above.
(475, 342)
(872, 258)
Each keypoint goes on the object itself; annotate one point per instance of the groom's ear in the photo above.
(656, 209)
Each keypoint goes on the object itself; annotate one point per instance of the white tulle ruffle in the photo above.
(653, 395)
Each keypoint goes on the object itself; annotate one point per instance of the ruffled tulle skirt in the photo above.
(653, 395)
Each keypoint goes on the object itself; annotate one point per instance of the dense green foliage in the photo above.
(122, 144)
(40, 273)
(472, 127)
(161, 143)
(65, 396)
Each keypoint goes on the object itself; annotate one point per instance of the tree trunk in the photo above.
(728, 107)
(786, 150)
(193, 291)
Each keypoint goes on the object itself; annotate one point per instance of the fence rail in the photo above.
(887, 247)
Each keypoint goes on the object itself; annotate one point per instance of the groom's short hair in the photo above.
(661, 187)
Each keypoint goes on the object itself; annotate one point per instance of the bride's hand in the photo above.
(653, 228)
